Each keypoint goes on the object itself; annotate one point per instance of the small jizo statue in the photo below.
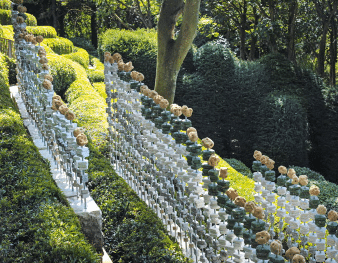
(262, 250)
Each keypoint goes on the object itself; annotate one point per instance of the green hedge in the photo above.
(7, 32)
(85, 44)
(267, 105)
(97, 73)
(139, 46)
(59, 45)
(45, 31)
(80, 56)
(35, 222)
(101, 89)
(5, 4)
(63, 73)
(239, 167)
(6, 18)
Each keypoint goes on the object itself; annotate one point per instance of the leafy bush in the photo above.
(45, 31)
(11, 62)
(139, 46)
(133, 232)
(101, 89)
(312, 175)
(59, 45)
(79, 87)
(63, 73)
(6, 18)
(5, 4)
(85, 44)
(80, 56)
(95, 75)
(7, 32)
(239, 167)
(36, 224)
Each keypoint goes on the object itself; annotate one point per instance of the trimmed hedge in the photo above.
(270, 105)
(36, 225)
(7, 32)
(5, 4)
(85, 44)
(80, 56)
(139, 46)
(6, 18)
(239, 167)
(63, 73)
(97, 73)
(101, 89)
(45, 31)
(59, 45)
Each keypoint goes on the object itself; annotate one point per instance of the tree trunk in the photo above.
(333, 51)
(253, 43)
(273, 43)
(293, 10)
(242, 31)
(171, 52)
(54, 17)
(322, 44)
(93, 25)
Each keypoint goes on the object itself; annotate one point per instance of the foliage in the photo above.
(6, 18)
(239, 167)
(268, 106)
(311, 175)
(78, 22)
(133, 232)
(63, 73)
(139, 46)
(85, 44)
(101, 89)
(5, 4)
(45, 31)
(7, 32)
(36, 223)
(95, 75)
(206, 31)
(11, 62)
(59, 45)
(80, 56)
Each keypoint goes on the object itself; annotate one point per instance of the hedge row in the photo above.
(139, 46)
(5, 4)
(7, 32)
(36, 224)
(96, 74)
(45, 31)
(59, 45)
(270, 105)
(80, 56)
(6, 18)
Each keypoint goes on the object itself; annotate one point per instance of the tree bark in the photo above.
(171, 52)
(93, 25)
(326, 19)
(242, 30)
(273, 43)
(293, 10)
(333, 51)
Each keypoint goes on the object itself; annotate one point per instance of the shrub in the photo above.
(79, 87)
(63, 73)
(7, 32)
(138, 46)
(95, 75)
(80, 56)
(101, 89)
(11, 62)
(36, 224)
(45, 31)
(6, 18)
(85, 44)
(5, 4)
(239, 167)
(59, 45)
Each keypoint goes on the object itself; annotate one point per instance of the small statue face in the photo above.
(276, 247)
(213, 160)
(289, 254)
(240, 201)
(249, 206)
(232, 193)
(257, 155)
(332, 215)
(258, 212)
(207, 143)
(303, 180)
(262, 237)
(193, 136)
